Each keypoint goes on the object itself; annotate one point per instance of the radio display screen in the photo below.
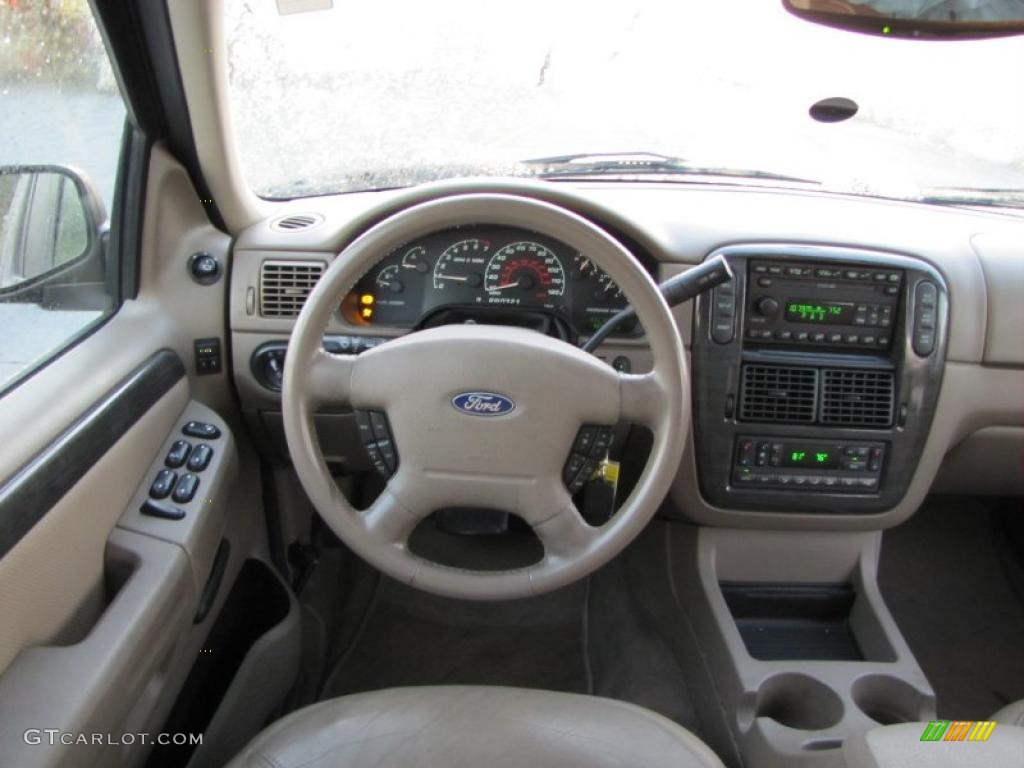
(821, 457)
(819, 312)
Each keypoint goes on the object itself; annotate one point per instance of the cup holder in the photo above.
(798, 701)
(890, 700)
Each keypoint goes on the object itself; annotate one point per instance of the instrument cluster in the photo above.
(487, 268)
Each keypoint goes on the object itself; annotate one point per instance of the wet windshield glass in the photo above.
(385, 94)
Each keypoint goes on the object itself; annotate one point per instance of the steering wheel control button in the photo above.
(178, 454)
(375, 433)
(200, 458)
(365, 428)
(163, 511)
(201, 430)
(161, 487)
(585, 440)
(588, 449)
(186, 488)
(602, 442)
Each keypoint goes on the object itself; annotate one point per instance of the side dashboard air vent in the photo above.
(285, 286)
(296, 222)
(853, 398)
(778, 393)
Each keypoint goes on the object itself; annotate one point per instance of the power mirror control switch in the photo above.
(201, 430)
(178, 454)
(200, 458)
(186, 488)
(161, 487)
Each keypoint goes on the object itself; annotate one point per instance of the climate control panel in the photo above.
(812, 465)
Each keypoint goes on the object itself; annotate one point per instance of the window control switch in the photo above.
(200, 458)
(201, 430)
(186, 488)
(178, 453)
(163, 484)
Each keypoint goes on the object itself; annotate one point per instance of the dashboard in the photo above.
(482, 273)
(868, 351)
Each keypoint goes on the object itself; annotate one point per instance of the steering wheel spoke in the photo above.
(390, 519)
(641, 398)
(329, 377)
(566, 535)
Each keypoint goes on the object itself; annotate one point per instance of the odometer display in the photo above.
(819, 312)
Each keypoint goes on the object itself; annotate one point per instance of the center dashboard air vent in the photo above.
(285, 286)
(858, 398)
(838, 397)
(778, 393)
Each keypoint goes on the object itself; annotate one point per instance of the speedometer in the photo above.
(524, 270)
(461, 264)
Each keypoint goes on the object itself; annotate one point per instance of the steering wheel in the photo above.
(511, 456)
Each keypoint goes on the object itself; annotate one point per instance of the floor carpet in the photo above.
(954, 590)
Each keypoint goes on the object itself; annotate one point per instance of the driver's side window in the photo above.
(61, 127)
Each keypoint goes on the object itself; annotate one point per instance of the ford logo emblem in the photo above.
(483, 404)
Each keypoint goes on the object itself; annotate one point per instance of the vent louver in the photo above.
(855, 398)
(285, 286)
(778, 393)
(296, 222)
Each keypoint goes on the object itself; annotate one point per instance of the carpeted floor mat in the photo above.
(412, 638)
(946, 580)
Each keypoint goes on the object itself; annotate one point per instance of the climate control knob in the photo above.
(766, 306)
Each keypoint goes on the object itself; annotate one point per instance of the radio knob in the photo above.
(766, 306)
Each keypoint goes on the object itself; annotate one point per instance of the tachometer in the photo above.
(461, 264)
(524, 270)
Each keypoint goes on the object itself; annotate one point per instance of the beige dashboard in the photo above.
(979, 255)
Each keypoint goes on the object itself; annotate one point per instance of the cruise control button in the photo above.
(178, 454)
(387, 452)
(573, 466)
(201, 429)
(162, 485)
(200, 458)
(186, 488)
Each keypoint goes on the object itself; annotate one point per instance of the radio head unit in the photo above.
(821, 305)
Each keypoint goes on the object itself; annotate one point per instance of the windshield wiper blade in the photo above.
(640, 163)
(988, 197)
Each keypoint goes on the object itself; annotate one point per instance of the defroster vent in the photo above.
(285, 286)
(855, 398)
(778, 393)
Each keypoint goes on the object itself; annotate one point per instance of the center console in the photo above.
(815, 376)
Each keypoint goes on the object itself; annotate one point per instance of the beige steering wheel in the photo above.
(511, 461)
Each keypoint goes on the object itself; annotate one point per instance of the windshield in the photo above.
(386, 94)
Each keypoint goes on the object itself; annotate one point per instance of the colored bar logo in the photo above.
(958, 730)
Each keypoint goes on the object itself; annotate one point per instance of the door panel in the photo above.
(96, 602)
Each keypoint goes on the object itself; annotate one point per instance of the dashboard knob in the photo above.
(766, 306)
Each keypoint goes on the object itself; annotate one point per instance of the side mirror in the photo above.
(916, 19)
(51, 218)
